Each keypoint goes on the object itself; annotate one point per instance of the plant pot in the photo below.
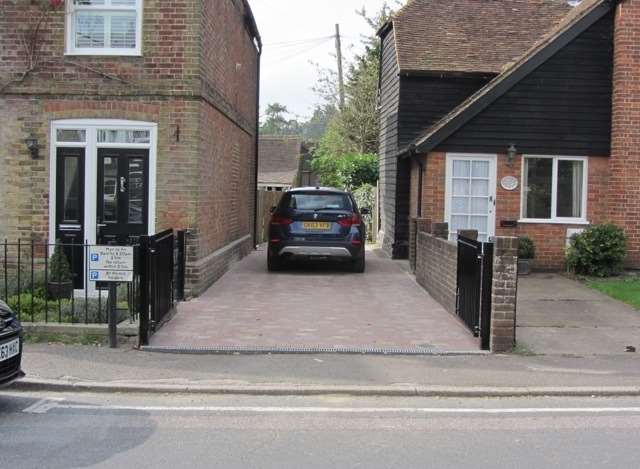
(524, 266)
(60, 290)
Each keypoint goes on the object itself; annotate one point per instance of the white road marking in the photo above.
(353, 410)
(43, 406)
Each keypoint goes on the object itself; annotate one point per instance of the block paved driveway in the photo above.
(315, 306)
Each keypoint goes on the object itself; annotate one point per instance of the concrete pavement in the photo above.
(89, 368)
(557, 315)
(97, 431)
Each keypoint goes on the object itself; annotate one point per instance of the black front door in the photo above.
(123, 195)
(70, 209)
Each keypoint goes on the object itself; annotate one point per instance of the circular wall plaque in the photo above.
(509, 183)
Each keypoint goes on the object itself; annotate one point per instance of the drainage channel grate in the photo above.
(293, 349)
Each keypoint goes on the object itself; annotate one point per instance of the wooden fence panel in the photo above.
(266, 200)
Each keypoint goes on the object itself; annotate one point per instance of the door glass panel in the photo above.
(459, 222)
(71, 202)
(461, 169)
(123, 136)
(71, 135)
(570, 182)
(460, 187)
(480, 187)
(110, 190)
(479, 223)
(479, 206)
(460, 205)
(480, 169)
(136, 190)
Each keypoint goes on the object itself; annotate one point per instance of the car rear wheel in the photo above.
(358, 265)
(274, 263)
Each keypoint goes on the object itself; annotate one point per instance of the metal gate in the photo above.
(161, 272)
(475, 275)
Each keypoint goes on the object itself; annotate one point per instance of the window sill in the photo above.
(104, 53)
(553, 222)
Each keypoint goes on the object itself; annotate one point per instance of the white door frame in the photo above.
(91, 146)
(492, 158)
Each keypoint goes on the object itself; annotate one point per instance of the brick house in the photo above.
(140, 115)
(513, 118)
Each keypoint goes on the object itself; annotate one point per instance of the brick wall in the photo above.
(624, 189)
(169, 61)
(436, 268)
(550, 239)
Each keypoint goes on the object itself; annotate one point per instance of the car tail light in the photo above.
(353, 220)
(280, 220)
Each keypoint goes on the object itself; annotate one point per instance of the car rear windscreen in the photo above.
(326, 201)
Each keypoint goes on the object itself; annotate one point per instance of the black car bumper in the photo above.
(11, 370)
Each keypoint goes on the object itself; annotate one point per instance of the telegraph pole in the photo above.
(340, 73)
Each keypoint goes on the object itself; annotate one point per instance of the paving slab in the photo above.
(317, 305)
(559, 315)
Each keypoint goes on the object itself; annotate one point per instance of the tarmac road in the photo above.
(48, 430)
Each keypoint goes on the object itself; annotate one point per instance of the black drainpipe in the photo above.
(415, 157)
(257, 143)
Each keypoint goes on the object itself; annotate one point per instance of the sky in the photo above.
(297, 32)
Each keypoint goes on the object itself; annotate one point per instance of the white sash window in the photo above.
(104, 27)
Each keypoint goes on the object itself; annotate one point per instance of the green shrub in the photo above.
(526, 248)
(346, 171)
(598, 251)
(59, 268)
(35, 308)
(365, 196)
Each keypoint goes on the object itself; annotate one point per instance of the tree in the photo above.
(276, 122)
(353, 132)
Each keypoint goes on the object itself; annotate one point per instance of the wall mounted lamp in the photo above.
(33, 146)
(512, 152)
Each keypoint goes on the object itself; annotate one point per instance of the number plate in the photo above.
(9, 350)
(316, 225)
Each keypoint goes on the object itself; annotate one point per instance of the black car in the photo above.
(317, 223)
(10, 346)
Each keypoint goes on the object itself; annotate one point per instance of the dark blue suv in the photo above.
(317, 223)
(10, 346)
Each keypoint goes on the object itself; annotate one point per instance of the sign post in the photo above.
(111, 264)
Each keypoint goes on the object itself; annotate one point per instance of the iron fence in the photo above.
(38, 287)
(473, 299)
(162, 266)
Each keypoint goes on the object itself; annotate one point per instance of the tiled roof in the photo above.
(464, 36)
(279, 159)
(513, 72)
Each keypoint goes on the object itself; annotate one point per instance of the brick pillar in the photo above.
(440, 230)
(503, 294)
(624, 195)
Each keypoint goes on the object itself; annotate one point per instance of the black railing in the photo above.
(161, 262)
(475, 274)
(38, 288)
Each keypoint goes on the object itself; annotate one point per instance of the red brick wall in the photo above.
(624, 189)
(549, 238)
(169, 52)
(225, 181)
(228, 56)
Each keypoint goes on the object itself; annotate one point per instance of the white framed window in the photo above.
(554, 189)
(104, 27)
